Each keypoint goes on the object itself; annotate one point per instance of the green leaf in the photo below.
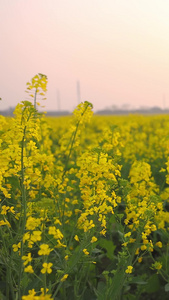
(153, 284)
(116, 285)
(96, 251)
(138, 280)
(167, 287)
(108, 246)
(101, 290)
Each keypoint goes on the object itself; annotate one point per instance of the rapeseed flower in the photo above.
(55, 232)
(157, 265)
(93, 240)
(36, 236)
(16, 247)
(76, 238)
(32, 223)
(26, 237)
(27, 259)
(31, 295)
(47, 268)
(5, 209)
(29, 269)
(64, 277)
(159, 244)
(129, 269)
(44, 249)
(85, 252)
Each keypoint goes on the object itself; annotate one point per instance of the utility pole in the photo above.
(164, 104)
(58, 100)
(78, 92)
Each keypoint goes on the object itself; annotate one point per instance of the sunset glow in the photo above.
(118, 50)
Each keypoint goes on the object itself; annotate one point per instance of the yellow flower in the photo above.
(30, 244)
(125, 244)
(143, 247)
(153, 227)
(85, 252)
(57, 222)
(157, 265)
(128, 234)
(145, 242)
(2, 222)
(103, 232)
(44, 249)
(44, 297)
(31, 295)
(32, 223)
(5, 209)
(64, 277)
(56, 232)
(66, 257)
(60, 245)
(47, 268)
(36, 236)
(132, 240)
(12, 209)
(76, 238)
(27, 259)
(94, 239)
(159, 244)
(43, 291)
(137, 251)
(140, 259)
(16, 246)
(74, 201)
(129, 269)
(52, 230)
(29, 269)
(26, 237)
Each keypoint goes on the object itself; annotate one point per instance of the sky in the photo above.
(118, 51)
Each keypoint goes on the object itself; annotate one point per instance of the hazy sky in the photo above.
(117, 49)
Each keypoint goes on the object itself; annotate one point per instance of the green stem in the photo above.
(68, 157)
(23, 209)
(161, 272)
(35, 98)
(57, 290)
(8, 268)
(44, 283)
(116, 289)
(10, 281)
(76, 259)
(167, 260)
(72, 142)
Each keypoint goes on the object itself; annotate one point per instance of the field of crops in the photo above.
(84, 206)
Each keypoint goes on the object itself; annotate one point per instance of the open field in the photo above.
(84, 206)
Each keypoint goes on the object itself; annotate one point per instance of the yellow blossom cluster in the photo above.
(71, 189)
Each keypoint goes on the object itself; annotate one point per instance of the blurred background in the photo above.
(113, 53)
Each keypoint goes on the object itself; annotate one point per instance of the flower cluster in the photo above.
(78, 198)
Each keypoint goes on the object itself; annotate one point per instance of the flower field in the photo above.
(84, 211)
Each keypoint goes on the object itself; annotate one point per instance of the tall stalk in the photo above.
(23, 209)
(35, 98)
(72, 140)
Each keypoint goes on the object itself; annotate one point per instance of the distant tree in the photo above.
(37, 86)
(126, 106)
(114, 107)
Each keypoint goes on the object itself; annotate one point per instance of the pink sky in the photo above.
(117, 49)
